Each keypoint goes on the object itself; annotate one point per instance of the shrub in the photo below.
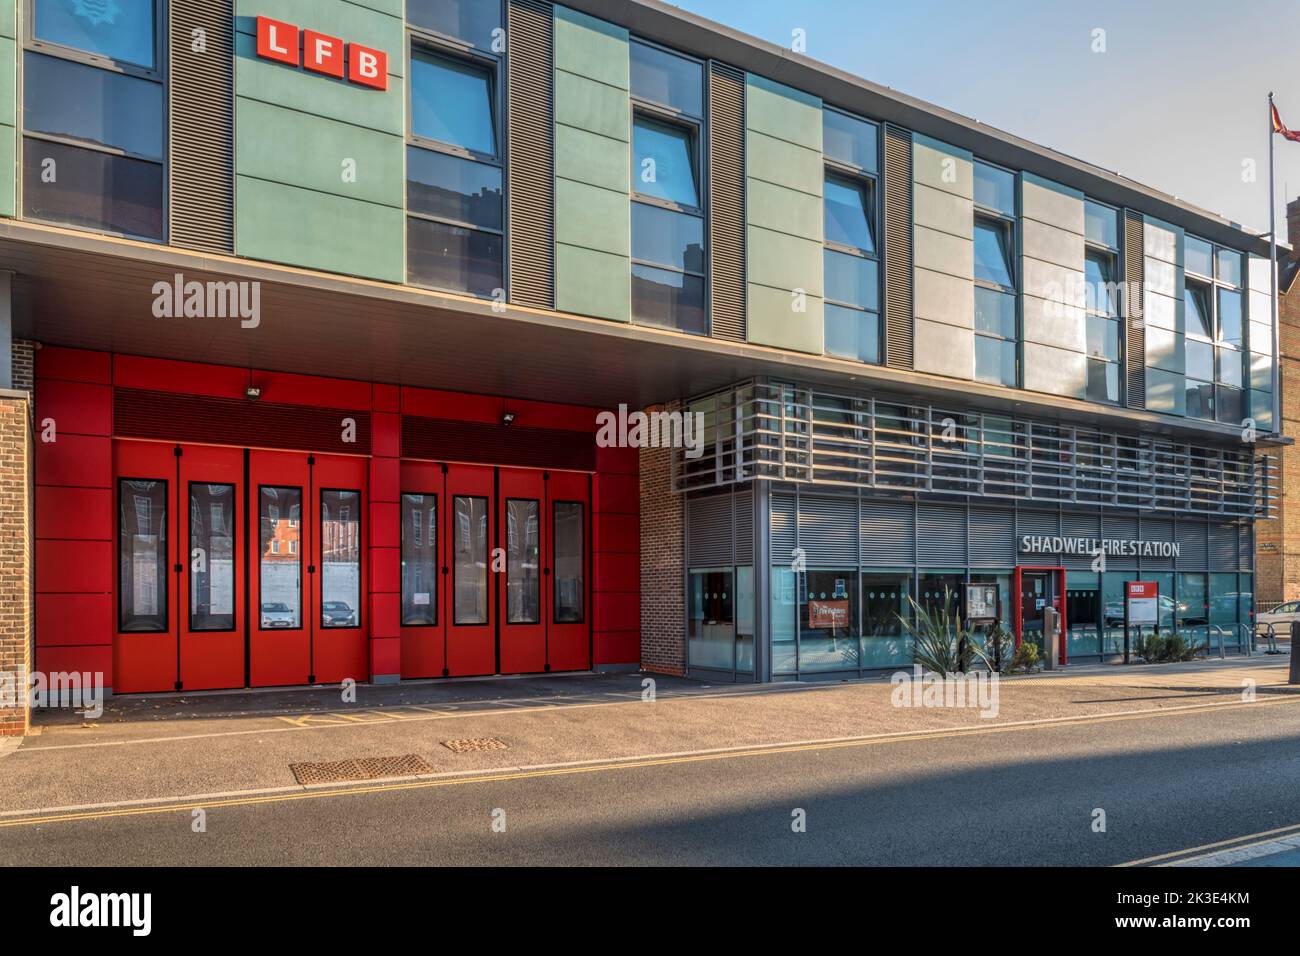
(1026, 660)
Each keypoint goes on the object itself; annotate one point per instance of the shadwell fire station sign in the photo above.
(1118, 547)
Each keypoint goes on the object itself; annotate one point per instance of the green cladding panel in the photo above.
(783, 208)
(8, 105)
(320, 177)
(593, 156)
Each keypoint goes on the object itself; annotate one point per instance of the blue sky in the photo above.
(1176, 101)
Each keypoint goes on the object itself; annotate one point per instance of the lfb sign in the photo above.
(321, 53)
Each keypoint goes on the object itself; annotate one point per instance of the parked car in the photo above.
(338, 614)
(1280, 617)
(1114, 611)
(277, 614)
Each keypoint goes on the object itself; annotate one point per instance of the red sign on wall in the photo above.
(321, 53)
(828, 614)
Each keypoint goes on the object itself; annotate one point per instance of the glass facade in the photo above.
(851, 261)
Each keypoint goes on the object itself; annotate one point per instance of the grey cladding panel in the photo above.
(992, 538)
(888, 530)
(940, 535)
(708, 532)
(828, 530)
(1193, 543)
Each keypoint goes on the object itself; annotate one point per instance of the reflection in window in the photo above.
(451, 102)
(419, 560)
(523, 561)
(212, 557)
(828, 607)
(470, 560)
(995, 189)
(473, 21)
(340, 558)
(93, 106)
(453, 258)
(280, 564)
(849, 140)
(847, 209)
(121, 30)
(993, 252)
(454, 189)
(884, 601)
(710, 618)
(664, 162)
(568, 562)
(667, 79)
(142, 556)
(850, 267)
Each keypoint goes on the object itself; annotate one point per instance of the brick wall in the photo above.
(16, 541)
(1277, 541)
(663, 612)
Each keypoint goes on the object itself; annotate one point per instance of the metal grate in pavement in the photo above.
(475, 744)
(360, 768)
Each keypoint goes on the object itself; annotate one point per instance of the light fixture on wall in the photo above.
(507, 418)
(252, 393)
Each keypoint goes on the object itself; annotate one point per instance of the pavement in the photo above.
(590, 759)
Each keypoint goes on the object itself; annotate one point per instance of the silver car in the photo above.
(1281, 617)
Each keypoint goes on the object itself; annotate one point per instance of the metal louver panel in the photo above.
(438, 439)
(744, 511)
(1193, 545)
(1245, 547)
(828, 530)
(708, 532)
(530, 152)
(201, 213)
(1223, 547)
(1156, 529)
(898, 247)
(727, 201)
(1079, 526)
(1124, 527)
(940, 536)
(1135, 351)
(1046, 523)
(992, 537)
(888, 530)
(784, 540)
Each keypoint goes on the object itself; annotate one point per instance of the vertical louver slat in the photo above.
(898, 247)
(727, 201)
(201, 125)
(1135, 352)
(709, 532)
(530, 152)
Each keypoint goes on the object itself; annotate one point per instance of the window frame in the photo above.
(28, 41)
(449, 48)
(435, 542)
(871, 181)
(1214, 286)
(165, 584)
(234, 550)
(304, 589)
(1112, 254)
(582, 557)
(362, 584)
(697, 129)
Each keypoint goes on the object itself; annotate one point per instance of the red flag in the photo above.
(1280, 127)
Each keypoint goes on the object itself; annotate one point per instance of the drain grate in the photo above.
(475, 745)
(360, 768)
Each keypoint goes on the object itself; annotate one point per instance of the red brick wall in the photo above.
(16, 542)
(663, 615)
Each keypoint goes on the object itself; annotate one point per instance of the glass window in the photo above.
(673, 300)
(1100, 224)
(885, 642)
(1228, 405)
(454, 258)
(995, 312)
(279, 574)
(85, 103)
(93, 190)
(1200, 400)
(828, 636)
(1197, 312)
(1103, 338)
(120, 30)
(142, 556)
(1099, 274)
(470, 20)
(664, 162)
(1083, 613)
(745, 620)
(419, 560)
(995, 189)
(1198, 256)
(710, 618)
(470, 559)
(523, 561)
(852, 334)
(658, 76)
(784, 607)
(1103, 381)
(1230, 316)
(1200, 360)
(452, 188)
(212, 557)
(1228, 267)
(852, 280)
(1229, 367)
(668, 238)
(847, 139)
(340, 558)
(993, 252)
(452, 102)
(995, 361)
(568, 544)
(848, 204)
(1193, 603)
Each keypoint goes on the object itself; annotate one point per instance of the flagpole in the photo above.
(1272, 261)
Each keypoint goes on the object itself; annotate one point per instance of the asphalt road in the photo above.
(1012, 797)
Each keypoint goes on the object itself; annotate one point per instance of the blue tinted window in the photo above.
(449, 257)
(847, 211)
(1098, 272)
(453, 188)
(470, 20)
(1229, 368)
(1196, 310)
(1199, 358)
(118, 29)
(92, 105)
(995, 312)
(852, 280)
(1229, 266)
(673, 300)
(852, 334)
(993, 253)
(664, 162)
(665, 78)
(850, 140)
(1103, 338)
(1198, 256)
(1100, 224)
(667, 238)
(451, 102)
(995, 189)
(995, 361)
(1229, 316)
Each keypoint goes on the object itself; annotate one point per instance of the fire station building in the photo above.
(309, 313)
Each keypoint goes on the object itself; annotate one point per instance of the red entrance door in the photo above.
(568, 571)
(424, 616)
(468, 536)
(522, 597)
(307, 578)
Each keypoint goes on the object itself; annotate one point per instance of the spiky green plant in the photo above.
(941, 641)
